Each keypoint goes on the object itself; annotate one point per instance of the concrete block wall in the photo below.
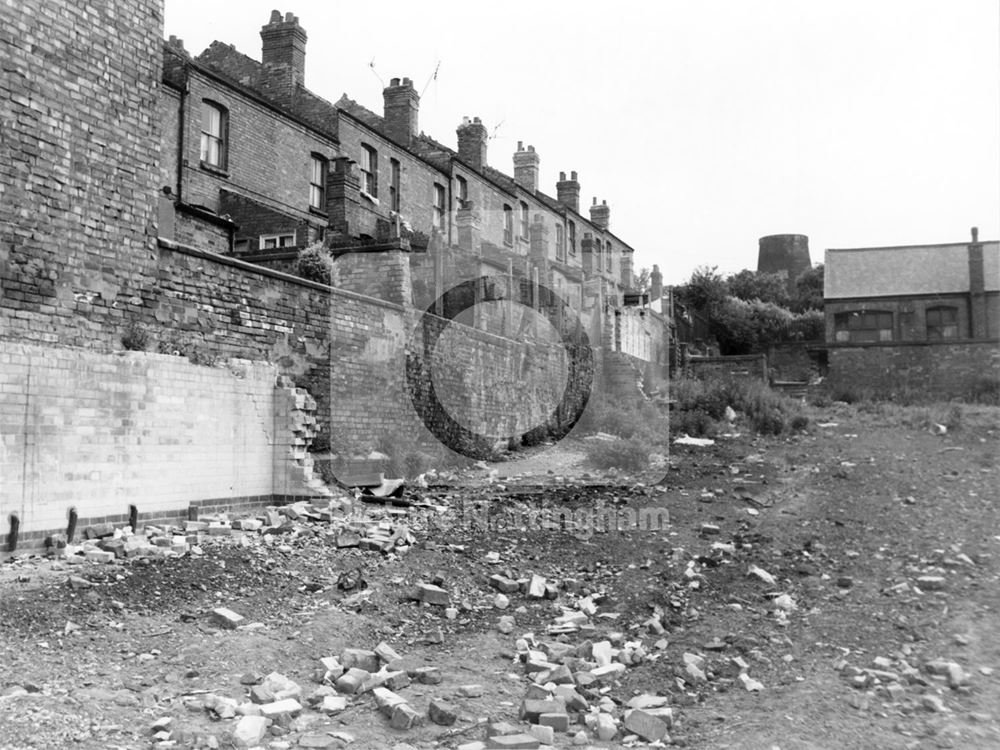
(100, 432)
(80, 171)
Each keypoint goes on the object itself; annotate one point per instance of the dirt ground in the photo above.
(846, 518)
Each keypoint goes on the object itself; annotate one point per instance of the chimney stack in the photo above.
(526, 168)
(601, 214)
(402, 104)
(283, 48)
(472, 142)
(568, 191)
(655, 283)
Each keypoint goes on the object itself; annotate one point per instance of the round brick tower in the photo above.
(785, 254)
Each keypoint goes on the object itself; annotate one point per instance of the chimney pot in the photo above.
(526, 168)
(283, 51)
(568, 191)
(401, 110)
(472, 138)
(975, 234)
(600, 214)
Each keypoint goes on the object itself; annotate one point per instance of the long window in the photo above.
(560, 243)
(275, 241)
(437, 216)
(317, 182)
(862, 327)
(572, 238)
(508, 224)
(524, 220)
(369, 170)
(942, 323)
(214, 127)
(607, 256)
(463, 191)
(394, 184)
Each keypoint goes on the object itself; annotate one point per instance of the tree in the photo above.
(767, 287)
(705, 292)
(808, 290)
(642, 280)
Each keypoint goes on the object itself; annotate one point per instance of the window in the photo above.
(463, 191)
(560, 242)
(607, 255)
(868, 326)
(438, 214)
(214, 127)
(508, 224)
(572, 238)
(524, 220)
(942, 323)
(369, 170)
(393, 184)
(317, 182)
(274, 241)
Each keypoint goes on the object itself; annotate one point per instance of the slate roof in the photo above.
(906, 270)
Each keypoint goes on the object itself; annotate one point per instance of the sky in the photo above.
(705, 124)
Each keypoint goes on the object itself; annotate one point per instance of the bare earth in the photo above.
(846, 518)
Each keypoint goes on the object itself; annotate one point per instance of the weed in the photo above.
(136, 337)
(628, 455)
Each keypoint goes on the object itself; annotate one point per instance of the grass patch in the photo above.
(627, 455)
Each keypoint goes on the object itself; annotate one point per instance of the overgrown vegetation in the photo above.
(700, 407)
(748, 310)
(628, 455)
(315, 264)
(135, 337)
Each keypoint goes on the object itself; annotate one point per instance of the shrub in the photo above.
(799, 422)
(692, 422)
(985, 390)
(135, 338)
(315, 264)
(628, 455)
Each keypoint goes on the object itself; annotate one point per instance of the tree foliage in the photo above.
(749, 311)
(808, 290)
(766, 287)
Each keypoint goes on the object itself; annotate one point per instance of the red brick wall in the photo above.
(81, 166)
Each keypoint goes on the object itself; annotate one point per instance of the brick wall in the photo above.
(417, 179)
(100, 432)
(80, 166)
(933, 370)
(268, 159)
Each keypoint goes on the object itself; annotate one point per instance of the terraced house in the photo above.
(159, 359)
(258, 166)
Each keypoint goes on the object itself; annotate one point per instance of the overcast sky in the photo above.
(705, 124)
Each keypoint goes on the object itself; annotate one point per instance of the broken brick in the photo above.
(226, 618)
(442, 713)
(645, 725)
